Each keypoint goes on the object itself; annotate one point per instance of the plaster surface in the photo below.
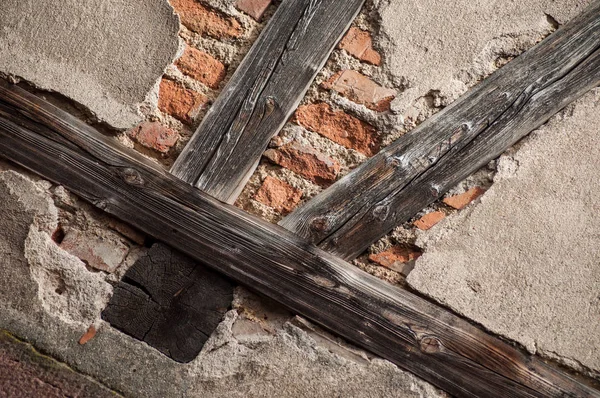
(104, 54)
(524, 261)
(437, 49)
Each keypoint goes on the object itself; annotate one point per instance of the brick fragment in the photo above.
(360, 89)
(127, 231)
(91, 332)
(202, 67)
(359, 43)
(155, 136)
(461, 201)
(305, 161)
(339, 127)
(178, 101)
(429, 220)
(254, 8)
(103, 251)
(205, 20)
(279, 195)
(396, 258)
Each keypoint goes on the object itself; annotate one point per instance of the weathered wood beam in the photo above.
(421, 166)
(262, 94)
(427, 340)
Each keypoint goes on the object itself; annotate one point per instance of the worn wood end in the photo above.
(169, 301)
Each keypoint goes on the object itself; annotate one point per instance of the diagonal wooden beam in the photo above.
(262, 94)
(421, 166)
(392, 323)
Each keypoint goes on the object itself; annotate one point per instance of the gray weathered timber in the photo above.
(395, 324)
(405, 177)
(262, 94)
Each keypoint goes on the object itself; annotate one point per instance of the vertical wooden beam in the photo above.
(262, 94)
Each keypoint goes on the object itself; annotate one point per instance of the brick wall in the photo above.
(346, 117)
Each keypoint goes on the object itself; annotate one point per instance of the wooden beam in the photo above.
(415, 334)
(262, 94)
(421, 166)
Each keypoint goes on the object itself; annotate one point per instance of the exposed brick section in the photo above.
(178, 101)
(202, 67)
(360, 89)
(254, 8)
(103, 253)
(360, 44)
(397, 258)
(206, 21)
(461, 201)
(26, 373)
(305, 161)
(90, 334)
(396, 254)
(429, 220)
(279, 195)
(155, 136)
(339, 127)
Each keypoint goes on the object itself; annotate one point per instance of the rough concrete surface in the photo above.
(24, 372)
(105, 54)
(49, 298)
(437, 49)
(525, 261)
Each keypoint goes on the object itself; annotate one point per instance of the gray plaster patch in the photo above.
(38, 276)
(105, 54)
(437, 49)
(525, 261)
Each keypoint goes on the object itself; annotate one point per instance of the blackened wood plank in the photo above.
(421, 166)
(169, 301)
(395, 324)
(262, 94)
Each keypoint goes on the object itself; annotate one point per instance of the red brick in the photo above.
(103, 252)
(429, 220)
(339, 127)
(155, 136)
(91, 332)
(279, 195)
(254, 8)
(360, 44)
(178, 101)
(400, 254)
(205, 20)
(202, 67)
(461, 201)
(305, 161)
(360, 89)
(395, 257)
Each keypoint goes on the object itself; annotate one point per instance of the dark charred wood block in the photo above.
(169, 301)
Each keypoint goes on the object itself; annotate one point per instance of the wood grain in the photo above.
(421, 166)
(169, 301)
(392, 323)
(262, 94)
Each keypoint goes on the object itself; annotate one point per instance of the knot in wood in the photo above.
(393, 161)
(430, 345)
(131, 176)
(319, 224)
(381, 212)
